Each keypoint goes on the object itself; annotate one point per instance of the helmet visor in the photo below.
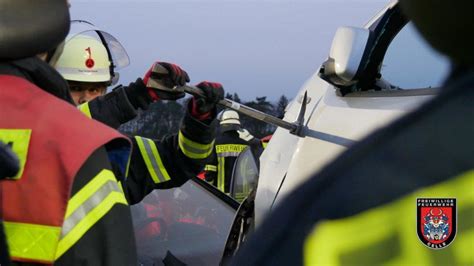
(117, 51)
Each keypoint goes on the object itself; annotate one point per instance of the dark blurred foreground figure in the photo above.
(68, 205)
(362, 208)
(59, 207)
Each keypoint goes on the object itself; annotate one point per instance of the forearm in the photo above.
(112, 109)
(170, 162)
(120, 105)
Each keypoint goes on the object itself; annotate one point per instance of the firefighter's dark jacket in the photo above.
(229, 144)
(153, 164)
(120, 105)
(361, 209)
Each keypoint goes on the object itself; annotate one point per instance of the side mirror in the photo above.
(345, 58)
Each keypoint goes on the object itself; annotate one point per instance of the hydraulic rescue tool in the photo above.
(296, 128)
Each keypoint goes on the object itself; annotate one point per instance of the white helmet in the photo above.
(85, 59)
(90, 55)
(229, 117)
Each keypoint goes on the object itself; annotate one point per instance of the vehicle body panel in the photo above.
(334, 122)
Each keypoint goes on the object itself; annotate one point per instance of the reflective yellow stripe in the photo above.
(31, 241)
(194, 150)
(221, 173)
(84, 108)
(246, 188)
(87, 207)
(86, 192)
(240, 196)
(229, 150)
(387, 234)
(264, 144)
(153, 160)
(19, 140)
(210, 167)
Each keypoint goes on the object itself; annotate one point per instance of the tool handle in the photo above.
(159, 72)
(256, 114)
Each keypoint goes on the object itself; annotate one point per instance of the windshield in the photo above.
(189, 222)
(410, 63)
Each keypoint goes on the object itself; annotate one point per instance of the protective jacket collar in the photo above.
(39, 73)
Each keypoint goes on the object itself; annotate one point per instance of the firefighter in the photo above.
(232, 139)
(362, 208)
(69, 203)
(89, 61)
(84, 63)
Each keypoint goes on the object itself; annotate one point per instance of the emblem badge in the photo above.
(436, 221)
(89, 62)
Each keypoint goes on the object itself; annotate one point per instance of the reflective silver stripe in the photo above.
(192, 149)
(228, 154)
(195, 150)
(82, 211)
(153, 161)
(156, 168)
(87, 207)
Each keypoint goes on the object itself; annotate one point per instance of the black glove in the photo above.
(213, 93)
(137, 94)
(175, 77)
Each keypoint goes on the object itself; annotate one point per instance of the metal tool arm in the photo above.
(256, 114)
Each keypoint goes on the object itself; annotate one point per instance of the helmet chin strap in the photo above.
(114, 77)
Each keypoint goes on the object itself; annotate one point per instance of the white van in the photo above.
(372, 76)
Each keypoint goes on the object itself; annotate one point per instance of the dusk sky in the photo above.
(254, 48)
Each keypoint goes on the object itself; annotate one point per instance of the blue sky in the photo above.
(254, 48)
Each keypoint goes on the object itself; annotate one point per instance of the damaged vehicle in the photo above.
(373, 75)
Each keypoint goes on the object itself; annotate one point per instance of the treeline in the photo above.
(164, 117)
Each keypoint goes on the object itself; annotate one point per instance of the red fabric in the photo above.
(202, 175)
(152, 229)
(195, 113)
(62, 138)
(267, 138)
(153, 95)
(146, 78)
(194, 108)
(152, 211)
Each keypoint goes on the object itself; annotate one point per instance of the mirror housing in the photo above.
(346, 56)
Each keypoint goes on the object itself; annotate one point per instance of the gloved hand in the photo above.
(203, 106)
(175, 77)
